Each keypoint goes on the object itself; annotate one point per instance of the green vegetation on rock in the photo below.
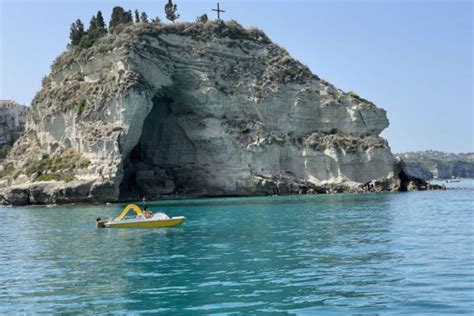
(4, 150)
(353, 94)
(143, 17)
(119, 16)
(68, 160)
(77, 32)
(170, 11)
(202, 19)
(348, 143)
(49, 177)
(81, 106)
(91, 37)
(85, 39)
(8, 170)
(50, 168)
(54, 177)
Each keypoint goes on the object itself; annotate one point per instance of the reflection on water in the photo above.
(409, 253)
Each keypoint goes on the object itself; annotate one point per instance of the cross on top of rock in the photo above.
(218, 10)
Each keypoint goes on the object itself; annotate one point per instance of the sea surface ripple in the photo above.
(364, 254)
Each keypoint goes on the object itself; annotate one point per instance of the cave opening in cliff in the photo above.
(161, 162)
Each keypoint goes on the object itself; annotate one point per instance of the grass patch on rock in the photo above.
(68, 160)
(57, 167)
(8, 170)
(81, 106)
(353, 94)
(49, 177)
(55, 177)
(4, 151)
(348, 143)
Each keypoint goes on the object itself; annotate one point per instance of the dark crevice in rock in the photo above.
(163, 160)
(409, 182)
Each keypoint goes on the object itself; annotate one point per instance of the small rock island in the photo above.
(187, 110)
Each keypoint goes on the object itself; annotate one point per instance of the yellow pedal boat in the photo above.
(159, 220)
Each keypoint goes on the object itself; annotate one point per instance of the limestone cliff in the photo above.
(12, 121)
(192, 110)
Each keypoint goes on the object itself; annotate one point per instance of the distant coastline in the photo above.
(438, 165)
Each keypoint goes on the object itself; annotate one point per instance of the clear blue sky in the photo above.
(412, 58)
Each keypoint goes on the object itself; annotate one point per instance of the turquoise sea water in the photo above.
(400, 253)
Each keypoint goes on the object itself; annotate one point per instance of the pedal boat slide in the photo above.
(159, 220)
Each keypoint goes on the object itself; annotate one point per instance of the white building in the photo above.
(12, 121)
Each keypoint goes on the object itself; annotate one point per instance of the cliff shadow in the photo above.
(162, 162)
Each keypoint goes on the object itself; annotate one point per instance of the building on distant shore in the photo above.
(12, 121)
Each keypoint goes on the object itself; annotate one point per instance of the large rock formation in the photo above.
(192, 110)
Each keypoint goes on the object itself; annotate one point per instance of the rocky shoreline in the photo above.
(93, 192)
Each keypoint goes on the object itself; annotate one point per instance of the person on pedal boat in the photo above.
(147, 213)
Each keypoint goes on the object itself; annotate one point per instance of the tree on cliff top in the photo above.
(96, 30)
(137, 16)
(202, 19)
(92, 24)
(170, 10)
(119, 16)
(77, 32)
(144, 17)
(97, 23)
(100, 20)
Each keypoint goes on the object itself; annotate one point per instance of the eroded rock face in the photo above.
(197, 110)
